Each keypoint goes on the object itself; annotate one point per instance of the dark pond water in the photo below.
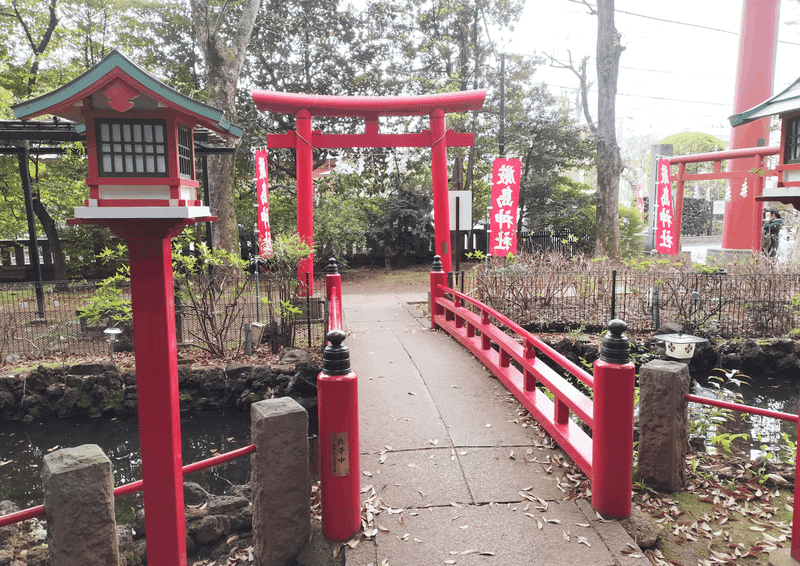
(766, 392)
(22, 449)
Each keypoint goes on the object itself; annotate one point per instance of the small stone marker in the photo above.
(663, 424)
(79, 504)
(279, 480)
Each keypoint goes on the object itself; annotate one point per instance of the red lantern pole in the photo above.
(152, 295)
(612, 434)
(340, 468)
(441, 204)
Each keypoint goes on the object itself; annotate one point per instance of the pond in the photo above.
(203, 435)
(774, 393)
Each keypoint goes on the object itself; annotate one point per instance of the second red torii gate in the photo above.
(305, 140)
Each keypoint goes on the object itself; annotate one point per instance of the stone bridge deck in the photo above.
(452, 474)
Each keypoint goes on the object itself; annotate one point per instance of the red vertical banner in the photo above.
(262, 204)
(666, 239)
(640, 198)
(505, 201)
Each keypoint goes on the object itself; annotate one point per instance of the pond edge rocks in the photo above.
(101, 389)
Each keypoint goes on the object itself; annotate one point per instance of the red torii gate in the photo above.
(305, 140)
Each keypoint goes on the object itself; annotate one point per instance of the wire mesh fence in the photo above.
(715, 304)
(36, 323)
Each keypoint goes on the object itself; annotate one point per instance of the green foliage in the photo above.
(288, 250)
(402, 221)
(109, 305)
(341, 220)
(630, 228)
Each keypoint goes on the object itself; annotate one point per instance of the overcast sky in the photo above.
(674, 77)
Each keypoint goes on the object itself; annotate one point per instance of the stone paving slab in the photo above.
(416, 478)
(507, 534)
(493, 476)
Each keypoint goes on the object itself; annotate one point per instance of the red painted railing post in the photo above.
(340, 469)
(795, 550)
(529, 380)
(438, 277)
(612, 435)
(333, 286)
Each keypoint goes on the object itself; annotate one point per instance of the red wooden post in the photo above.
(441, 203)
(795, 550)
(755, 70)
(305, 196)
(340, 469)
(438, 277)
(150, 256)
(486, 321)
(679, 203)
(612, 435)
(529, 378)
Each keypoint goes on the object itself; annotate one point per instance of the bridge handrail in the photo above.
(574, 369)
(39, 511)
(743, 408)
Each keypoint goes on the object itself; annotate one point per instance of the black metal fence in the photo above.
(715, 304)
(35, 325)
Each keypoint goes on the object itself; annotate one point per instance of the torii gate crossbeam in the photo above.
(304, 140)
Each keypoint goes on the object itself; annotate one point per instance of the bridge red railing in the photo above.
(608, 462)
(333, 292)
(38, 511)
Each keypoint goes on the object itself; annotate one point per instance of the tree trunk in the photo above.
(223, 67)
(51, 231)
(609, 161)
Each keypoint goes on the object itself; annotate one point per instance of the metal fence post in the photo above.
(612, 435)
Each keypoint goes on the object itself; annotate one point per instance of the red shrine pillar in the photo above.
(754, 77)
(305, 195)
(152, 294)
(441, 206)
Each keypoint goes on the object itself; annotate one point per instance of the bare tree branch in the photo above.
(580, 73)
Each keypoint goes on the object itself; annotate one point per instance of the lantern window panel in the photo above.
(793, 140)
(185, 152)
(132, 148)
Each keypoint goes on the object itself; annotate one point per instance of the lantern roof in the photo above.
(782, 103)
(116, 83)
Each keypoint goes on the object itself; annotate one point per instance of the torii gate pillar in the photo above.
(441, 203)
(754, 76)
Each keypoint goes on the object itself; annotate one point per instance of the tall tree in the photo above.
(223, 36)
(609, 160)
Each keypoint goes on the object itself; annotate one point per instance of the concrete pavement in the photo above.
(452, 472)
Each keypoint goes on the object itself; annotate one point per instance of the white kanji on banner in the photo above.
(262, 203)
(505, 199)
(666, 239)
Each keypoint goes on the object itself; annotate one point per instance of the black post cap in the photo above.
(332, 268)
(336, 356)
(616, 349)
(437, 263)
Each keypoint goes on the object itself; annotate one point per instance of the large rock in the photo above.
(93, 369)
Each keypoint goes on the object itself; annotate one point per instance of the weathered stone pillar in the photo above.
(663, 424)
(79, 504)
(279, 480)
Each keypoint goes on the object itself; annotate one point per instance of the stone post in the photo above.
(79, 504)
(279, 480)
(663, 424)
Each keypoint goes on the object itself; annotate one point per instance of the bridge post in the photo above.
(340, 475)
(612, 438)
(438, 277)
